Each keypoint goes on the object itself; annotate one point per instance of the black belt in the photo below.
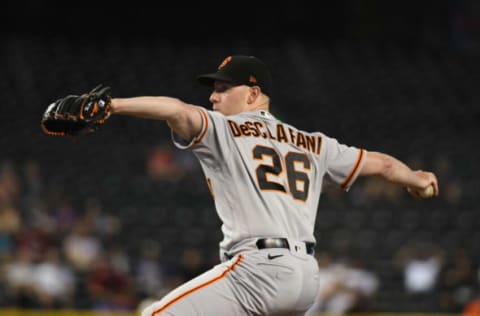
(263, 243)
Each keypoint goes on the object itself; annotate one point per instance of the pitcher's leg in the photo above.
(211, 293)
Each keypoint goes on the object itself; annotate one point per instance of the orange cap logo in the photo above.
(252, 79)
(225, 61)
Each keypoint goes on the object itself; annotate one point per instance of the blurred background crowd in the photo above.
(115, 218)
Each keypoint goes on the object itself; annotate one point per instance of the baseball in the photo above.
(427, 192)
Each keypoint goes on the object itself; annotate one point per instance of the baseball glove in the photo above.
(77, 114)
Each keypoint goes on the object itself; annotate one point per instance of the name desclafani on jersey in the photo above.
(282, 134)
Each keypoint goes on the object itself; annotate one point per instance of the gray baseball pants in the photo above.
(248, 281)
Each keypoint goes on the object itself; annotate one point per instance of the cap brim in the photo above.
(209, 79)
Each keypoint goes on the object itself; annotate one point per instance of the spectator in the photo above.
(363, 285)
(53, 281)
(10, 224)
(35, 239)
(109, 288)
(18, 276)
(105, 225)
(82, 248)
(421, 263)
(330, 279)
(10, 185)
(65, 215)
(149, 274)
(344, 288)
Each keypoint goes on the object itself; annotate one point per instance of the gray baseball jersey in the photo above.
(266, 178)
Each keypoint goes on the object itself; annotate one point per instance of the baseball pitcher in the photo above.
(265, 177)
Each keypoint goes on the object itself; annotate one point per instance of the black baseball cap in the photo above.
(241, 70)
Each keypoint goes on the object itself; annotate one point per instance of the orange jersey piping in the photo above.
(354, 170)
(205, 126)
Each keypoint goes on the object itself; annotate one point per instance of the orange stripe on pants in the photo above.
(198, 287)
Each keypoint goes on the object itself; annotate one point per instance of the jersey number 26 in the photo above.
(298, 181)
